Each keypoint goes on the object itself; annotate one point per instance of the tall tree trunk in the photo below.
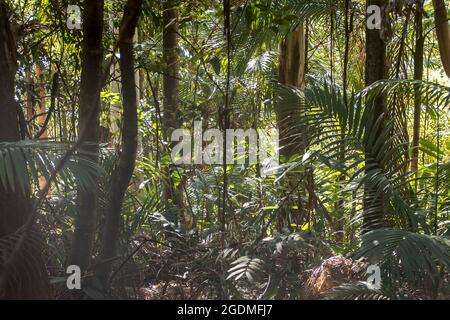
(171, 112)
(116, 106)
(89, 110)
(291, 72)
(124, 171)
(29, 97)
(41, 110)
(339, 207)
(418, 75)
(442, 32)
(9, 126)
(170, 56)
(27, 279)
(41, 102)
(375, 71)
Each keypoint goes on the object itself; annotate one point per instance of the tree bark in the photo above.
(170, 80)
(41, 102)
(89, 110)
(9, 126)
(443, 33)
(418, 75)
(375, 70)
(28, 279)
(171, 113)
(291, 72)
(41, 110)
(124, 171)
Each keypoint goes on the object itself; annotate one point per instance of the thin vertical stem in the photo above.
(226, 118)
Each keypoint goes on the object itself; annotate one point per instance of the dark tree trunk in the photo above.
(89, 110)
(170, 81)
(26, 277)
(418, 75)
(375, 71)
(123, 172)
(9, 126)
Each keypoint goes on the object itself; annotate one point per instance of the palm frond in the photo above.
(26, 161)
(359, 291)
(403, 255)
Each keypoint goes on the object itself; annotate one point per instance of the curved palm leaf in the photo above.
(403, 255)
(25, 161)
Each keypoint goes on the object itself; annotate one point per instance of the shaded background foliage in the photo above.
(309, 231)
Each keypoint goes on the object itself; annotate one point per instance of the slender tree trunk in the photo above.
(339, 208)
(171, 112)
(124, 171)
(42, 101)
(28, 279)
(116, 106)
(29, 102)
(170, 81)
(418, 75)
(375, 71)
(89, 110)
(41, 110)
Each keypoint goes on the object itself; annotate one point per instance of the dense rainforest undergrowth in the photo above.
(116, 179)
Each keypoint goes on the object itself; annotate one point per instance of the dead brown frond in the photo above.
(331, 273)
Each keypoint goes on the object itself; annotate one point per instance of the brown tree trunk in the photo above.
(291, 72)
(116, 106)
(442, 32)
(375, 71)
(418, 75)
(89, 110)
(124, 171)
(41, 110)
(170, 56)
(29, 102)
(27, 279)
(171, 112)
